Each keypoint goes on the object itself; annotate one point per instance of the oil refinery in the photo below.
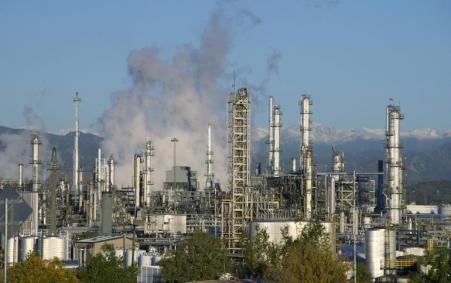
(364, 213)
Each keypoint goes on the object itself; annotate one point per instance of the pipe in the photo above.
(276, 145)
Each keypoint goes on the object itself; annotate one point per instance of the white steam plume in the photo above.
(176, 98)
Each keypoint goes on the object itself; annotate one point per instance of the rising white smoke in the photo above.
(176, 98)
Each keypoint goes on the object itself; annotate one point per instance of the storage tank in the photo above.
(128, 257)
(445, 210)
(27, 245)
(52, 247)
(145, 260)
(13, 250)
(375, 251)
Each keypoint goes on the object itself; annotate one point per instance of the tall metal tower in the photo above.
(239, 125)
(137, 179)
(38, 206)
(53, 168)
(148, 172)
(76, 166)
(271, 137)
(394, 163)
(276, 135)
(306, 154)
(210, 175)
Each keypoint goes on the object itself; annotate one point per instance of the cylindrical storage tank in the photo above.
(27, 245)
(106, 220)
(445, 210)
(52, 247)
(129, 255)
(145, 260)
(13, 250)
(375, 251)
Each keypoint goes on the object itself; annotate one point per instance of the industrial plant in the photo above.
(365, 214)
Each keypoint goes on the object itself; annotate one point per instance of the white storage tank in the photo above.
(129, 255)
(445, 210)
(13, 250)
(27, 246)
(52, 247)
(145, 260)
(375, 251)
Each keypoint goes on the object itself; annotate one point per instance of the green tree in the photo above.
(36, 270)
(309, 259)
(363, 274)
(201, 257)
(106, 267)
(439, 260)
(260, 255)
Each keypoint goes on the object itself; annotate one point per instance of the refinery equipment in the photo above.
(210, 176)
(394, 163)
(306, 154)
(76, 165)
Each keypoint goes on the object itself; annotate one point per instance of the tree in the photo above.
(363, 274)
(439, 261)
(260, 255)
(106, 267)
(36, 270)
(200, 257)
(309, 259)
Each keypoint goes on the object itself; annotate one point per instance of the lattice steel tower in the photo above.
(239, 161)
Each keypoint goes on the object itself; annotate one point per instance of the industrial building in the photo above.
(366, 210)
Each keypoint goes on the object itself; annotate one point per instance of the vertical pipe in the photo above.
(20, 167)
(82, 199)
(276, 145)
(75, 182)
(271, 137)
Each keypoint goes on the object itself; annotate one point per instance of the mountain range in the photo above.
(427, 152)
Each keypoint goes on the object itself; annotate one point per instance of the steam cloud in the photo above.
(176, 98)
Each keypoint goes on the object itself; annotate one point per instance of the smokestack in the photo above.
(75, 181)
(148, 173)
(106, 222)
(394, 162)
(209, 162)
(20, 167)
(271, 137)
(306, 154)
(137, 179)
(276, 147)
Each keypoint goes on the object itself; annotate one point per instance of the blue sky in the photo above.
(351, 56)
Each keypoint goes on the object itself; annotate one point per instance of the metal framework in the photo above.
(239, 164)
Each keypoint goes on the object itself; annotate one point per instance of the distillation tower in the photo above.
(306, 154)
(394, 163)
(210, 175)
(76, 165)
(276, 148)
(271, 137)
(148, 173)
